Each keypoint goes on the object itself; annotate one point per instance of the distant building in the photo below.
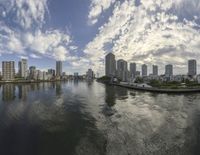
(192, 67)
(32, 72)
(90, 74)
(23, 68)
(110, 66)
(168, 70)
(133, 70)
(144, 70)
(137, 74)
(76, 75)
(38, 75)
(45, 75)
(59, 68)
(52, 72)
(122, 70)
(8, 70)
(155, 70)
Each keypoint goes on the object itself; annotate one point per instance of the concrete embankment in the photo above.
(157, 90)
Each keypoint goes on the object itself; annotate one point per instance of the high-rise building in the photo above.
(32, 72)
(59, 68)
(8, 70)
(144, 70)
(90, 74)
(122, 70)
(169, 70)
(52, 72)
(155, 70)
(192, 67)
(76, 75)
(133, 70)
(110, 65)
(23, 68)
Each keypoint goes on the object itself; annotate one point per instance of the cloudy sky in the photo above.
(82, 32)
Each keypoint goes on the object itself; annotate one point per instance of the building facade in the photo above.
(59, 68)
(122, 70)
(8, 70)
(155, 70)
(23, 68)
(133, 70)
(192, 67)
(52, 72)
(90, 74)
(144, 70)
(32, 72)
(169, 70)
(110, 65)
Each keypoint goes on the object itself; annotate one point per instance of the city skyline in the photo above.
(119, 69)
(81, 39)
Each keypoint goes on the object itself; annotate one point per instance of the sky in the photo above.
(81, 32)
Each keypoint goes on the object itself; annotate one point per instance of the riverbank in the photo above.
(28, 81)
(158, 90)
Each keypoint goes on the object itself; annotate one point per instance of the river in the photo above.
(90, 118)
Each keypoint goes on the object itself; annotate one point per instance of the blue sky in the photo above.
(82, 32)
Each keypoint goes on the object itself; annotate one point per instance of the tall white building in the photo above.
(155, 70)
(192, 67)
(23, 68)
(133, 70)
(59, 68)
(168, 70)
(110, 66)
(144, 70)
(8, 70)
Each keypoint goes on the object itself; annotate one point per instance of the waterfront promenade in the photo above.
(158, 90)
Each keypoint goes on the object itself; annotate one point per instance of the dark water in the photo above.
(93, 119)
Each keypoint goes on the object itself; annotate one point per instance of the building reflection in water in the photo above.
(121, 93)
(8, 92)
(58, 88)
(23, 91)
(110, 97)
(76, 82)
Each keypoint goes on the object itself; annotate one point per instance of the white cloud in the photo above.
(97, 7)
(151, 33)
(23, 33)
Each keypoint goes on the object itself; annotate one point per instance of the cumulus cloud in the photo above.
(24, 13)
(97, 7)
(152, 32)
(21, 31)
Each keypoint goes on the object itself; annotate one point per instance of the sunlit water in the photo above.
(94, 119)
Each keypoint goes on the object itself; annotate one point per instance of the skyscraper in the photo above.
(32, 73)
(192, 67)
(90, 74)
(8, 70)
(59, 68)
(133, 70)
(122, 70)
(155, 70)
(169, 70)
(144, 70)
(110, 61)
(23, 68)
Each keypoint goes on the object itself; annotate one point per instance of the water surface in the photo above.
(81, 118)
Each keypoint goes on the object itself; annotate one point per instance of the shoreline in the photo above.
(157, 90)
(28, 82)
